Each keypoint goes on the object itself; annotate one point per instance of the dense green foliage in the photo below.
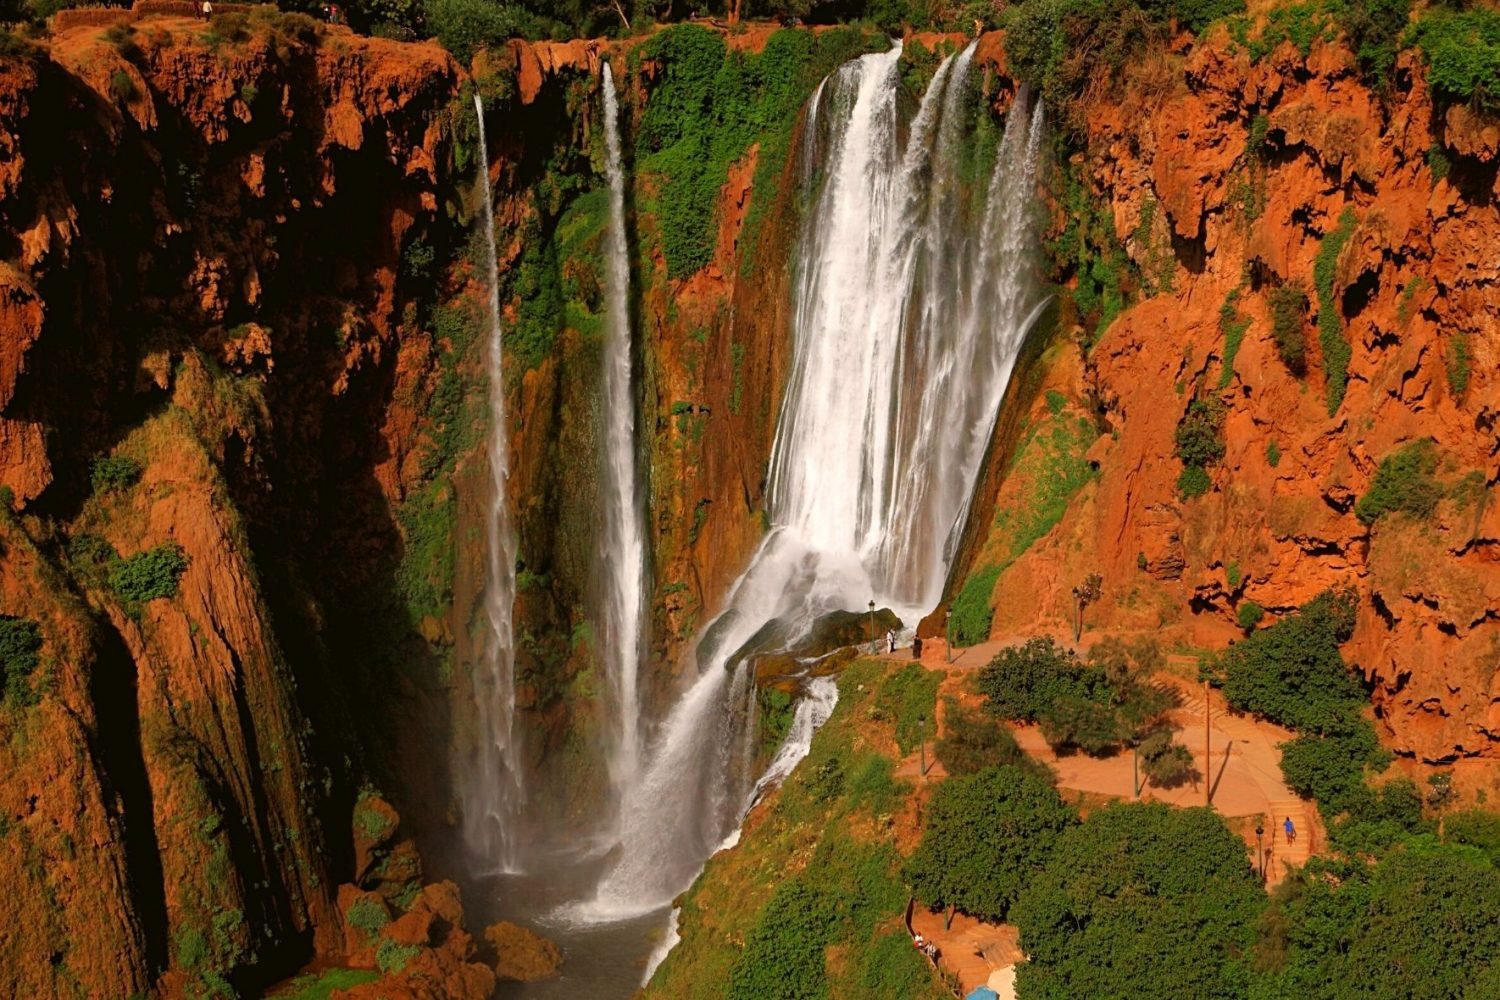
(707, 105)
(1095, 707)
(1462, 48)
(1423, 922)
(1475, 828)
(1249, 614)
(1200, 444)
(320, 985)
(114, 472)
(1292, 673)
(1404, 484)
(974, 740)
(1051, 466)
(464, 26)
(1288, 308)
(149, 575)
(972, 613)
(20, 642)
(1336, 350)
(842, 893)
(1232, 324)
(984, 838)
(1088, 251)
(908, 698)
(1140, 901)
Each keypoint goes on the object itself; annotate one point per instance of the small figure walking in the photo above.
(207, 9)
(890, 640)
(1291, 831)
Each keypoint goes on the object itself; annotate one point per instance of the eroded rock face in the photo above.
(522, 955)
(204, 278)
(1418, 276)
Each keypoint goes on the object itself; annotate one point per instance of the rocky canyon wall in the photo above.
(222, 246)
(1372, 218)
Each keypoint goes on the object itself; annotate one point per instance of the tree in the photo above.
(1292, 672)
(974, 740)
(985, 837)
(1084, 594)
(1424, 922)
(1140, 901)
(1166, 762)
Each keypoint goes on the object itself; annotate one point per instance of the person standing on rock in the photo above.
(890, 640)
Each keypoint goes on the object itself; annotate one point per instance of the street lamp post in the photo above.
(872, 622)
(948, 634)
(1260, 857)
(922, 742)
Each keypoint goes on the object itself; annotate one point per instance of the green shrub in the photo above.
(149, 575)
(20, 642)
(1095, 707)
(983, 838)
(392, 957)
(1404, 484)
(1140, 900)
(1336, 350)
(114, 472)
(1462, 48)
(1193, 481)
(1331, 769)
(972, 611)
(1458, 361)
(1288, 309)
(1166, 763)
(1232, 324)
(1273, 454)
(1373, 29)
(973, 740)
(465, 26)
(320, 985)
(1424, 922)
(122, 87)
(1200, 434)
(1438, 163)
(841, 895)
(1292, 672)
(1475, 828)
(1249, 615)
(368, 915)
(1200, 443)
(906, 696)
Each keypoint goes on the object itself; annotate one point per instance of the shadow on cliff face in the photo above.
(123, 309)
(118, 749)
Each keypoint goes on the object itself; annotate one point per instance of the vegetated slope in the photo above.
(811, 901)
(1309, 254)
(222, 247)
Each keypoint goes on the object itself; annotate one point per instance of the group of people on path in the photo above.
(926, 947)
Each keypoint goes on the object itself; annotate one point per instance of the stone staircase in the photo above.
(1283, 854)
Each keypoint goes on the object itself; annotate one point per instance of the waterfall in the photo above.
(493, 792)
(624, 556)
(913, 295)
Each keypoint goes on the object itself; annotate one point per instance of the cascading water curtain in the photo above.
(914, 292)
(492, 787)
(622, 605)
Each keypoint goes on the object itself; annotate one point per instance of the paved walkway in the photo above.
(1239, 768)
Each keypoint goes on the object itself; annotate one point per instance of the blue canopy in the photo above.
(983, 993)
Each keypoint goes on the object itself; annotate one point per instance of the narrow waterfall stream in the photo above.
(492, 789)
(624, 557)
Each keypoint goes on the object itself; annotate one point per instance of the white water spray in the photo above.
(493, 791)
(912, 300)
(621, 642)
